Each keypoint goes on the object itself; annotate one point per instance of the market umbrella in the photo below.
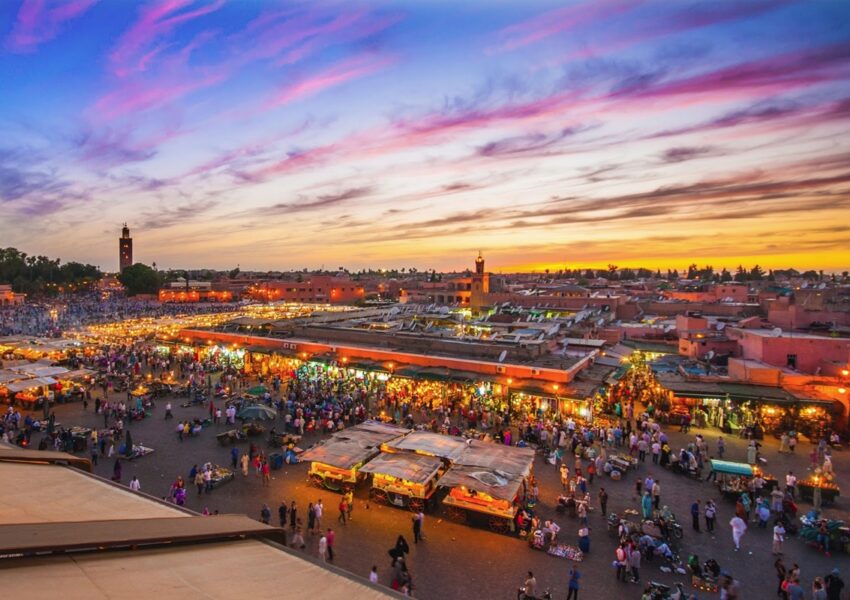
(257, 390)
(257, 412)
(128, 444)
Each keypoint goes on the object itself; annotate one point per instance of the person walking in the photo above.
(656, 495)
(293, 516)
(710, 515)
(323, 548)
(265, 514)
(319, 510)
(621, 557)
(266, 471)
(646, 505)
(695, 510)
(634, 564)
(603, 501)
(330, 536)
(198, 480)
(245, 460)
(781, 572)
(134, 484)
(721, 447)
(343, 510)
(281, 514)
(401, 548)
(234, 458)
(834, 584)
(778, 538)
(311, 518)
(573, 584)
(739, 527)
(349, 502)
(417, 529)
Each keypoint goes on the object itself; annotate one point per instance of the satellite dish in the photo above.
(709, 355)
(777, 332)
(503, 356)
(721, 326)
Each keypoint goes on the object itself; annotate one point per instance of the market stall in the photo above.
(488, 483)
(734, 478)
(828, 489)
(404, 479)
(479, 495)
(335, 462)
(221, 475)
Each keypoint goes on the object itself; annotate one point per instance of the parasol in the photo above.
(257, 412)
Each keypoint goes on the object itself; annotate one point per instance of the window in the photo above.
(791, 361)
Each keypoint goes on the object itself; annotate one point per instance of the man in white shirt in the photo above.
(738, 528)
(134, 484)
(791, 483)
(373, 576)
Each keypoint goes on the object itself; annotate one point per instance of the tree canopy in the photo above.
(40, 275)
(140, 279)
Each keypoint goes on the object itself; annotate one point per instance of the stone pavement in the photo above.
(458, 561)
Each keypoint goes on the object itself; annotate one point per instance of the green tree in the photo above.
(725, 275)
(140, 279)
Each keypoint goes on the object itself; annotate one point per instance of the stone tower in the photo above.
(125, 248)
(480, 285)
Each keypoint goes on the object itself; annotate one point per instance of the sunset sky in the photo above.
(279, 135)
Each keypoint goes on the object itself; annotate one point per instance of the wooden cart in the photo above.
(405, 480)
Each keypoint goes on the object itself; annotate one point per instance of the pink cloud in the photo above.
(562, 20)
(153, 23)
(338, 74)
(37, 22)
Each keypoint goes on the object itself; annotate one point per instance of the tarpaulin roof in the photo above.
(498, 484)
(412, 467)
(491, 455)
(20, 386)
(443, 446)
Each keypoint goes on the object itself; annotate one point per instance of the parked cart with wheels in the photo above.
(405, 480)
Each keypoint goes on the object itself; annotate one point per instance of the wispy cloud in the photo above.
(323, 201)
(561, 21)
(335, 75)
(155, 21)
(37, 22)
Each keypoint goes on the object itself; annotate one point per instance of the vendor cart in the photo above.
(283, 440)
(828, 491)
(404, 480)
(734, 478)
(482, 496)
(221, 475)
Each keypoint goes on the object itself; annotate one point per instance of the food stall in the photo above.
(829, 490)
(734, 478)
(488, 482)
(335, 462)
(480, 495)
(221, 475)
(404, 479)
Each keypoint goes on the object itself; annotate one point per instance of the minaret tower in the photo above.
(125, 248)
(480, 285)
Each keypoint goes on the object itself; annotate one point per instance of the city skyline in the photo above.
(282, 135)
